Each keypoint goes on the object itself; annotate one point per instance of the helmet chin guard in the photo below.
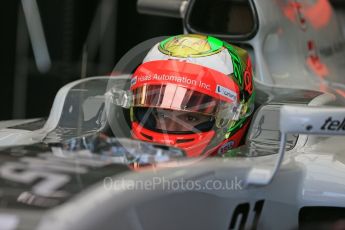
(193, 144)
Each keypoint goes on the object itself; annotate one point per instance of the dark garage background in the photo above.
(25, 91)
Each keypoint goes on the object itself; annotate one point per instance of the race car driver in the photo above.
(194, 92)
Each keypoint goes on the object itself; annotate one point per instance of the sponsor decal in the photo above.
(333, 125)
(171, 78)
(248, 82)
(186, 46)
(226, 92)
(133, 81)
(225, 148)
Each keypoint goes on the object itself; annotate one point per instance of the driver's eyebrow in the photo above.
(199, 116)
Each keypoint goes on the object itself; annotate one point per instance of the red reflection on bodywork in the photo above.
(341, 92)
(317, 14)
(314, 62)
(323, 87)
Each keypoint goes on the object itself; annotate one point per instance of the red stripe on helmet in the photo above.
(188, 75)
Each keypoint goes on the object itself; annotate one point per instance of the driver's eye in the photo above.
(191, 118)
(161, 115)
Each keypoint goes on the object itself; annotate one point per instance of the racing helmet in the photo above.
(194, 92)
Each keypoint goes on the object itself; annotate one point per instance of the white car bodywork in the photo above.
(311, 175)
(13, 136)
(281, 45)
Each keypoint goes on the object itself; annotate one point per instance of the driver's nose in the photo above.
(169, 124)
(174, 126)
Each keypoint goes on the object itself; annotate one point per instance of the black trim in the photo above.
(222, 36)
(30, 126)
(320, 217)
(146, 136)
(175, 132)
(179, 141)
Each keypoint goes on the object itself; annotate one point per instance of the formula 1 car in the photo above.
(61, 176)
(61, 173)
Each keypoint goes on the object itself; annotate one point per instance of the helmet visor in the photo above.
(172, 121)
(186, 106)
(175, 97)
